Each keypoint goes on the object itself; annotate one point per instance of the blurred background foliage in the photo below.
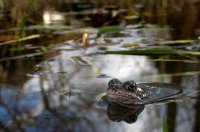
(155, 11)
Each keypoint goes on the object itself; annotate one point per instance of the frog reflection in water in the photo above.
(127, 100)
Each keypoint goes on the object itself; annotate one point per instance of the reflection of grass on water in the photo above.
(109, 29)
(154, 52)
(22, 26)
(165, 129)
(175, 74)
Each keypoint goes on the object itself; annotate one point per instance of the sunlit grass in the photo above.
(175, 42)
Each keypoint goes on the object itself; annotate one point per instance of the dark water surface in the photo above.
(58, 91)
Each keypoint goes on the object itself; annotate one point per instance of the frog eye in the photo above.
(113, 82)
(130, 85)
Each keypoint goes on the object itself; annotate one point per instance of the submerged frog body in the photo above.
(131, 93)
(117, 112)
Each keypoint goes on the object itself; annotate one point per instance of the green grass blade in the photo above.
(1, 4)
(22, 26)
(175, 42)
(165, 129)
(44, 49)
(174, 60)
(34, 36)
(154, 52)
(22, 56)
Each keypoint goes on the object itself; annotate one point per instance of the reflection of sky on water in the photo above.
(79, 76)
(75, 70)
(51, 17)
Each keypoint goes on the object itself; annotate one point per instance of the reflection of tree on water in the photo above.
(40, 106)
(41, 112)
(180, 115)
(197, 107)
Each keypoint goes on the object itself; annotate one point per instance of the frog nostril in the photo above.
(131, 88)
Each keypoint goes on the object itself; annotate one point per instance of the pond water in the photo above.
(59, 90)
